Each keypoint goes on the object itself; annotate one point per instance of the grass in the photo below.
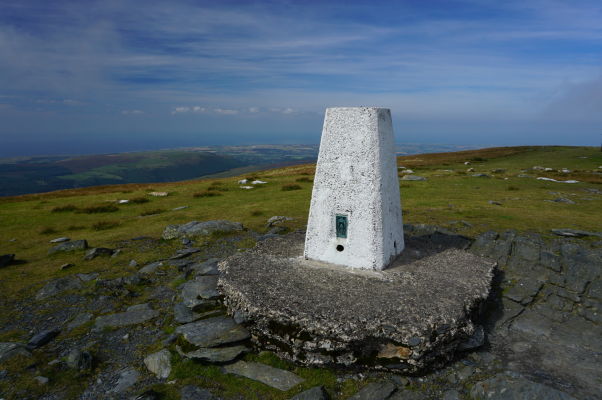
(443, 198)
(206, 193)
(290, 186)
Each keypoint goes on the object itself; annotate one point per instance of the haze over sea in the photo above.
(108, 76)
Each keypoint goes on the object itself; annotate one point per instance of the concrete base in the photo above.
(409, 317)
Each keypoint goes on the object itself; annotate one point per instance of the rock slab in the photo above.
(159, 363)
(213, 332)
(136, 314)
(274, 377)
(196, 228)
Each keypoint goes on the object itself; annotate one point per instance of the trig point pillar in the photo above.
(355, 212)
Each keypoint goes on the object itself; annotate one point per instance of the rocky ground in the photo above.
(139, 335)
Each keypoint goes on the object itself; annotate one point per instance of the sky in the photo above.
(120, 75)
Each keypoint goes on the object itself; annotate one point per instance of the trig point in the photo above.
(355, 213)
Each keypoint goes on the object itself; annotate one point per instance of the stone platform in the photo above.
(410, 317)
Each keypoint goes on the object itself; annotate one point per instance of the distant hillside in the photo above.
(25, 175)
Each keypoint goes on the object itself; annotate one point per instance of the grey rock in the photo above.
(216, 355)
(186, 242)
(9, 350)
(179, 208)
(563, 200)
(136, 314)
(60, 240)
(3, 374)
(42, 380)
(195, 228)
(315, 393)
(127, 378)
(524, 291)
(498, 170)
(213, 332)
(495, 203)
(184, 315)
(274, 377)
(208, 267)
(66, 266)
(183, 253)
(69, 246)
(465, 372)
(475, 341)
(6, 260)
(150, 268)
(79, 360)
(97, 252)
(88, 277)
(191, 392)
(116, 253)
(481, 176)
(504, 387)
(575, 233)
(276, 219)
(43, 337)
(202, 288)
(532, 323)
(159, 363)
(413, 178)
(375, 391)
(451, 395)
(133, 263)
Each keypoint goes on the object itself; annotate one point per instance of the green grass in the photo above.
(443, 198)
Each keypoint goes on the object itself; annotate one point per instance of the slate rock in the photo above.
(413, 178)
(6, 260)
(196, 228)
(274, 377)
(408, 395)
(216, 355)
(184, 315)
(191, 392)
(42, 380)
(151, 268)
(59, 285)
(575, 233)
(136, 314)
(208, 267)
(88, 277)
(315, 393)
(60, 240)
(66, 266)
(375, 391)
(213, 332)
(159, 363)
(481, 176)
(504, 387)
(183, 253)
(98, 252)
(9, 350)
(563, 200)
(524, 291)
(43, 337)
(69, 246)
(203, 287)
(79, 360)
(127, 378)
(276, 219)
(451, 394)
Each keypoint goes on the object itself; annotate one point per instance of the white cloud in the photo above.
(225, 111)
(253, 110)
(132, 112)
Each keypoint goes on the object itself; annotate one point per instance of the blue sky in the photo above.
(118, 75)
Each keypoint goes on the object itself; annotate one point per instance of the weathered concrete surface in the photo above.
(409, 317)
(356, 177)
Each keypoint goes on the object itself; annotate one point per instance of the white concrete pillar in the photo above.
(356, 185)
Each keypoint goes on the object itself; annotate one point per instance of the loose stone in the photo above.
(60, 240)
(41, 338)
(191, 392)
(216, 355)
(375, 391)
(79, 360)
(6, 259)
(9, 350)
(213, 332)
(274, 377)
(69, 246)
(127, 379)
(159, 363)
(98, 251)
(315, 393)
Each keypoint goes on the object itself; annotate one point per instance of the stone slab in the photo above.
(213, 332)
(274, 377)
(136, 314)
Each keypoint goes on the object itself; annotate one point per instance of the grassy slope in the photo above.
(448, 195)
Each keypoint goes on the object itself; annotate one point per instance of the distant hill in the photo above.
(25, 175)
